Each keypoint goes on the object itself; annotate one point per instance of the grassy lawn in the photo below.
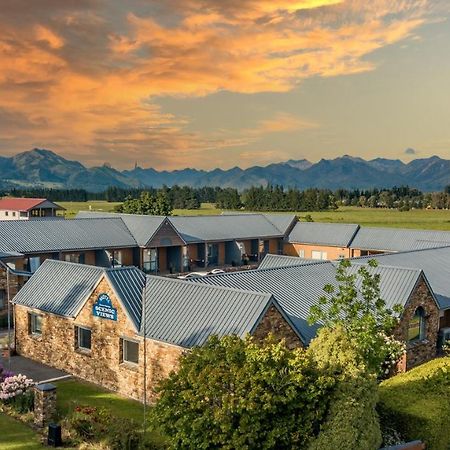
(72, 393)
(72, 208)
(15, 435)
(420, 218)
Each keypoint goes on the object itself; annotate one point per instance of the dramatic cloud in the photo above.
(84, 77)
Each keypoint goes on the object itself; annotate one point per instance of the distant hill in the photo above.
(44, 168)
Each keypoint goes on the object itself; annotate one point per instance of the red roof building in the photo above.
(27, 208)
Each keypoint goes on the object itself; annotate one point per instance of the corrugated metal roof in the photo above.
(224, 227)
(435, 263)
(128, 283)
(30, 236)
(297, 288)
(197, 228)
(282, 221)
(333, 234)
(141, 227)
(398, 239)
(5, 255)
(59, 287)
(271, 261)
(396, 283)
(186, 314)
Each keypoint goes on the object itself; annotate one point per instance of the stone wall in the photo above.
(273, 322)
(14, 285)
(103, 364)
(420, 351)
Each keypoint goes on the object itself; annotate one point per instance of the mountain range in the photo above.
(44, 168)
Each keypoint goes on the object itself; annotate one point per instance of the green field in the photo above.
(419, 218)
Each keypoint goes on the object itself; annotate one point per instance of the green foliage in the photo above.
(351, 421)
(92, 425)
(362, 313)
(234, 393)
(417, 403)
(147, 204)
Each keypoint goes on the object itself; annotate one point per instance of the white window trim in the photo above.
(79, 328)
(124, 360)
(33, 317)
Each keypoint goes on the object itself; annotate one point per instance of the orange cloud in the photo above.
(82, 79)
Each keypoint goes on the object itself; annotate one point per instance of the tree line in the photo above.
(256, 198)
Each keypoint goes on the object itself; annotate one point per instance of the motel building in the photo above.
(112, 326)
(29, 209)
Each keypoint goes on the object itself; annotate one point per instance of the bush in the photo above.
(417, 403)
(351, 421)
(234, 393)
(93, 425)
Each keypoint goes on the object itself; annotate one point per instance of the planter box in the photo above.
(6, 352)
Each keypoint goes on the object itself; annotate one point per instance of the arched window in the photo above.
(417, 326)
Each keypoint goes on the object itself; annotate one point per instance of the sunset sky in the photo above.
(220, 83)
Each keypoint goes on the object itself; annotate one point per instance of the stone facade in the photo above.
(44, 404)
(14, 286)
(418, 352)
(103, 364)
(273, 322)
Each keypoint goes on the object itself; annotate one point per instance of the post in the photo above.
(206, 254)
(44, 404)
(143, 318)
(8, 299)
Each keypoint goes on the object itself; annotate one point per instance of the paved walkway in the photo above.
(32, 369)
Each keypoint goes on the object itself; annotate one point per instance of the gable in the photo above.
(165, 236)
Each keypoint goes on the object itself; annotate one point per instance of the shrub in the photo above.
(234, 393)
(15, 390)
(417, 403)
(351, 421)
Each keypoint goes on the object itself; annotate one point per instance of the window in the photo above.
(23, 214)
(83, 336)
(2, 299)
(151, 260)
(35, 323)
(6, 213)
(130, 351)
(417, 326)
(301, 253)
(33, 263)
(74, 257)
(317, 254)
(14, 214)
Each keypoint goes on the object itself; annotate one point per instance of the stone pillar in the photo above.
(44, 404)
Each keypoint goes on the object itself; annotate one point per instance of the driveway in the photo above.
(32, 369)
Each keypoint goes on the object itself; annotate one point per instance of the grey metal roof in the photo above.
(297, 288)
(141, 227)
(398, 239)
(36, 236)
(128, 283)
(283, 222)
(186, 314)
(435, 264)
(6, 255)
(59, 287)
(224, 227)
(396, 283)
(271, 261)
(333, 234)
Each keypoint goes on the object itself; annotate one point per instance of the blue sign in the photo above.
(103, 308)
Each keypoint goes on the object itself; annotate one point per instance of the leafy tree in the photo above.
(233, 393)
(362, 312)
(351, 421)
(147, 204)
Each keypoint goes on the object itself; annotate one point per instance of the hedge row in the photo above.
(417, 403)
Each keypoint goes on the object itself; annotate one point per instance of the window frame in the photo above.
(78, 329)
(422, 325)
(33, 320)
(124, 353)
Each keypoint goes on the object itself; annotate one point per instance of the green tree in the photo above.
(238, 394)
(147, 204)
(362, 313)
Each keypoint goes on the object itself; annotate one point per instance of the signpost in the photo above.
(103, 308)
